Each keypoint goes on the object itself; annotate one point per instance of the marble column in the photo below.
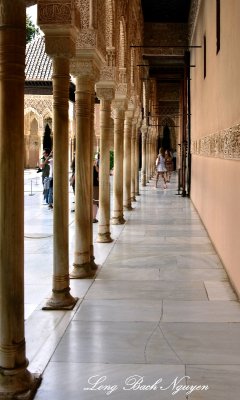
(127, 161)
(94, 266)
(15, 379)
(143, 171)
(119, 115)
(133, 175)
(147, 158)
(83, 171)
(61, 297)
(137, 193)
(105, 95)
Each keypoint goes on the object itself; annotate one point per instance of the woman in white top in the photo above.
(161, 167)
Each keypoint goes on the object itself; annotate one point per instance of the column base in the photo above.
(128, 208)
(133, 198)
(104, 238)
(18, 385)
(83, 271)
(94, 266)
(61, 300)
(118, 220)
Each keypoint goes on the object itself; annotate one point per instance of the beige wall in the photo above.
(215, 109)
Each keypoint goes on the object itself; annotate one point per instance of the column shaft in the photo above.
(143, 172)
(118, 218)
(91, 159)
(133, 143)
(137, 165)
(14, 377)
(127, 164)
(61, 297)
(104, 235)
(83, 200)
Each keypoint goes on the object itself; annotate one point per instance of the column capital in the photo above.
(84, 67)
(60, 21)
(119, 105)
(129, 113)
(104, 92)
(144, 131)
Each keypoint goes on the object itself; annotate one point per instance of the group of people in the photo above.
(165, 165)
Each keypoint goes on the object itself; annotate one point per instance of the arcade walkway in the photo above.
(161, 307)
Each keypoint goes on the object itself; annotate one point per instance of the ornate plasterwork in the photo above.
(193, 16)
(224, 144)
(40, 103)
(121, 90)
(92, 35)
(107, 73)
(84, 9)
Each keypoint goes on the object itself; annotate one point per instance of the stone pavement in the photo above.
(160, 314)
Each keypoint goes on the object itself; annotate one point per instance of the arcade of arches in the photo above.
(159, 83)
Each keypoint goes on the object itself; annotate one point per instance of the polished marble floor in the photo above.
(159, 321)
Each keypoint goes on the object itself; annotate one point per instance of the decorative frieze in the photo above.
(56, 12)
(224, 144)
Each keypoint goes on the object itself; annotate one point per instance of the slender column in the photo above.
(143, 172)
(61, 297)
(127, 161)
(133, 143)
(106, 96)
(147, 158)
(137, 164)
(94, 266)
(15, 380)
(119, 114)
(82, 257)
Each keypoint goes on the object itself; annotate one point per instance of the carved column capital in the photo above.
(84, 67)
(104, 93)
(119, 105)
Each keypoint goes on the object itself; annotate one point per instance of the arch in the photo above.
(167, 133)
(33, 127)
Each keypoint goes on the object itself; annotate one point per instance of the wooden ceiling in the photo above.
(166, 11)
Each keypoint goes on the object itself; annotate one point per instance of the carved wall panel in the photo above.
(224, 144)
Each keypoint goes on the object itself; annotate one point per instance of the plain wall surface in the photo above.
(215, 103)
